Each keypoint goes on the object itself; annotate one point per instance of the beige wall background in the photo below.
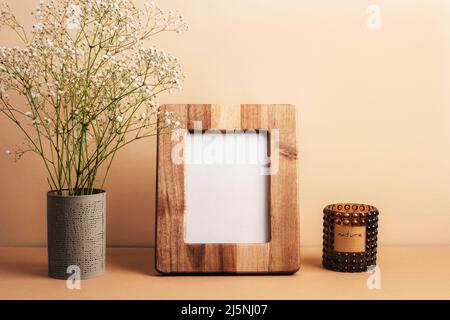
(374, 113)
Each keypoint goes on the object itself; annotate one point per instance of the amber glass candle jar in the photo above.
(350, 234)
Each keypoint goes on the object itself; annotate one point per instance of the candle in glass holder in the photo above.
(350, 233)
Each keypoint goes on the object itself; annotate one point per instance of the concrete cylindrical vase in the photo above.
(76, 235)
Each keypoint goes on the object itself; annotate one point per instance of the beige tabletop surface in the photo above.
(404, 273)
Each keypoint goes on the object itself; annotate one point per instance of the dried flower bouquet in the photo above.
(82, 85)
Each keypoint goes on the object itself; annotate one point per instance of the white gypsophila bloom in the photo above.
(74, 17)
(73, 24)
(8, 152)
(50, 44)
(74, 10)
(100, 80)
(38, 27)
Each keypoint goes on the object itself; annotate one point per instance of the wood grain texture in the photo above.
(281, 254)
(198, 116)
(226, 117)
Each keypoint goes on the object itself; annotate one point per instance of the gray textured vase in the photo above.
(76, 234)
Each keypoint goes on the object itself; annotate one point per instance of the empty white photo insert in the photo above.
(227, 192)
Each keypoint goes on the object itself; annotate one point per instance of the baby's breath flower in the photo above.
(74, 19)
(8, 152)
(50, 44)
(37, 27)
(92, 90)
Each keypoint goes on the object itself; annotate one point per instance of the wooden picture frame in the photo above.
(281, 254)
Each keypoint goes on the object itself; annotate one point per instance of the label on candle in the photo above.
(349, 238)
